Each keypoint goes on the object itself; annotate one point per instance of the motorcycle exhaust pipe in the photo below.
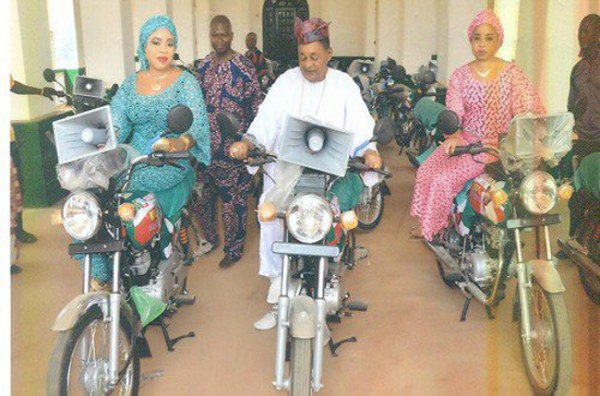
(358, 306)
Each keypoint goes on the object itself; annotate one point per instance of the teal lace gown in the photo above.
(139, 120)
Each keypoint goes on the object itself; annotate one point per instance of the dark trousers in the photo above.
(232, 185)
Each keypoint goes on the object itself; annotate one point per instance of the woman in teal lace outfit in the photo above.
(139, 112)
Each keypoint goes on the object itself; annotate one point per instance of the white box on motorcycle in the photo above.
(533, 138)
(84, 135)
(307, 143)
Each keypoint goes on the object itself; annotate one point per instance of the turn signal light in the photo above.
(126, 211)
(499, 197)
(349, 220)
(56, 218)
(565, 191)
(266, 211)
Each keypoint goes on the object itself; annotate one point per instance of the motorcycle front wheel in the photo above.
(547, 355)
(300, 367)
(79, 362)
(370, 213)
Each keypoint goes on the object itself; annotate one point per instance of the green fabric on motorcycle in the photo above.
(421, 158)
(148, 307)
(348, 190)
(173, 200)
(427, 111)
(586, 175)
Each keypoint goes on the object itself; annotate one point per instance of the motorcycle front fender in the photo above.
(547, 275)
(79, 305)
(303, 317)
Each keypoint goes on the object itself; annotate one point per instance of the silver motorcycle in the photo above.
(483, 247)
(101, 332)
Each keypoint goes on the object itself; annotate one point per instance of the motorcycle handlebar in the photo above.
(472, 149)
(357, 163)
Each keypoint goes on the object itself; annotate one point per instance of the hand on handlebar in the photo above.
(372, 159)
(452, 141)
(239, 150)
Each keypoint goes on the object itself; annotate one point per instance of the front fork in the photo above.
(283, 324)
(114, 317)
(524, 279)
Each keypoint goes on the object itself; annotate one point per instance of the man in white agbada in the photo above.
(311, 90)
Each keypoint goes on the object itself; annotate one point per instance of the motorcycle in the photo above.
(102, 333)
(371, 203)
(313, 265)
(583, 245)
(482, 247)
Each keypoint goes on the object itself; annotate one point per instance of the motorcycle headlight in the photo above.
(538, 192)
(82, 215)
(309, 218)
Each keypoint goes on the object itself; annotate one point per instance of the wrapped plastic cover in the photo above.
(148, 307)
(95, 171)
(532, 139)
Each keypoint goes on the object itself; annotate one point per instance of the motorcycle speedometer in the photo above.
(82, 215)
(538, 192)
(309, 218)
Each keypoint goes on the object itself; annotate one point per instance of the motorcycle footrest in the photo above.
(357, 306)
(184, 299)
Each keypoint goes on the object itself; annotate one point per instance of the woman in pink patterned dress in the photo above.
(485, 94)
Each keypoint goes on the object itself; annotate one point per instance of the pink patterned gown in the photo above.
(485, 110)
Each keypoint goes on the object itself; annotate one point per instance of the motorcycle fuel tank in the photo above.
(482, 201)
(147, 222)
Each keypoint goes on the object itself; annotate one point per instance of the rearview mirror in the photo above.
(398, 73)
(448, 122)
(49, 75)
(384, 131)
(228, 124)
(180, 119)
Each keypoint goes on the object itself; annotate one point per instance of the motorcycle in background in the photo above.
(583, 245)
(482, 247)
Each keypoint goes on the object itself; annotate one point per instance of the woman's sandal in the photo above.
(416, 234)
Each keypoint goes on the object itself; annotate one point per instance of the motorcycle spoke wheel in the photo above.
(370, 212)
(79, 364)
(300, 367)
(547, 354)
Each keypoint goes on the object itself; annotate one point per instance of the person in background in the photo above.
(311, 90)
(486, 94)
(256, 56)
(584, 92)
(229, 82)
(20, 234)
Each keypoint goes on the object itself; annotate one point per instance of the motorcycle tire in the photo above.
(64, 355)
(370, 214)
(560, 379)
(591, 285)
(300, 367)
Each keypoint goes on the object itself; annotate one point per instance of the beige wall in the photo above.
(541, 35)
(29, 56)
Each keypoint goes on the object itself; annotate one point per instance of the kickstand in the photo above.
(333, 346)
(463, 315)
(488, 311)
(172, 341)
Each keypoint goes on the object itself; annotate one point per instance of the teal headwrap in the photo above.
(152, 24)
